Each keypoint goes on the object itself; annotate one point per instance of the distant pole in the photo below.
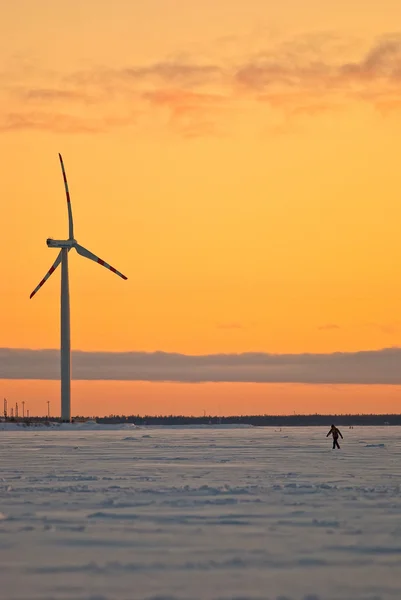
(16, 410)
(23, 409)
(48, 409)
(27, 414)
(12, 411)
(5, 408)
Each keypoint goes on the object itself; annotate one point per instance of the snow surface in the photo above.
(122, 513)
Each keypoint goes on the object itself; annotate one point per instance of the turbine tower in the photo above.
(65, 246)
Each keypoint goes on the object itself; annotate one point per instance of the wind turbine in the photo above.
(65, 246)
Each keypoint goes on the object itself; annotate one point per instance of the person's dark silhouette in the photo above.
(335, 432)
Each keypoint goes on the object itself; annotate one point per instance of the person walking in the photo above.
(335, 432)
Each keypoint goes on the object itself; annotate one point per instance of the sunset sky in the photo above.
(239, 161)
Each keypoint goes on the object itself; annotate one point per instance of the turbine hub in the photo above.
(51, 243)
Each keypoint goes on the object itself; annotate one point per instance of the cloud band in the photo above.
(364, 367)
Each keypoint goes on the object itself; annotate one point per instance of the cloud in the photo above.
(302, 78)
(328, 327)
(310, 83)
(190, 112)
(47, 121)
(388, 328)
(365, 367)
(231, 325)
(169, 73)
(182, 102)
(60, 122)
(382, 61)
(305, 70)
(174, 73)
(53, 95)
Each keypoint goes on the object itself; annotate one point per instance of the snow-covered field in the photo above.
(211, 513)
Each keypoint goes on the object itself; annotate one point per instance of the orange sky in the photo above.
(238, 161)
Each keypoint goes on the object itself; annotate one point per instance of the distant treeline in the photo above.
(256, 420)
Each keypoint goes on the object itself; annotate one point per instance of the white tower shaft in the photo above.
(65, 340)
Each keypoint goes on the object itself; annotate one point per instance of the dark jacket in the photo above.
(335, 432)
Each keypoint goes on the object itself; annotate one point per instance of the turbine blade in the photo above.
(84, 252)
(49, 272)
(67, 193)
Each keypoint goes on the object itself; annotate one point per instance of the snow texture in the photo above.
(122, 513)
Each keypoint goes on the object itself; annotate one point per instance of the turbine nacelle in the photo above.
(51, 243)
